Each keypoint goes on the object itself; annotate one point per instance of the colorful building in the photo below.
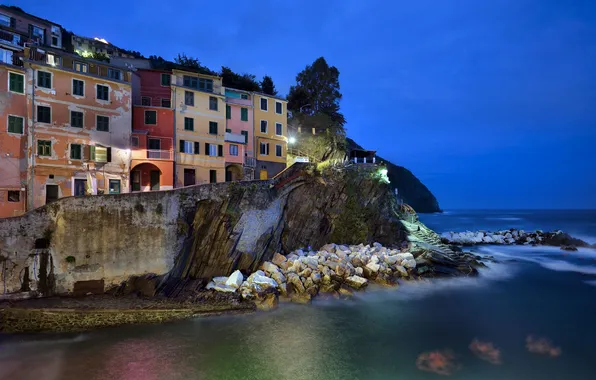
(199, 117)
(79, 115)
(238, 148)
(18, 27)
(271, 131)
(152, 144)
(13, 138)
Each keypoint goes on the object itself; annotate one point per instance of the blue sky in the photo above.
(492, 104)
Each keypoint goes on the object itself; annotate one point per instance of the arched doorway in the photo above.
(233, 173)
(145, 177)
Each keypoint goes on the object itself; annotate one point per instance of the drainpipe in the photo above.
(31, 182)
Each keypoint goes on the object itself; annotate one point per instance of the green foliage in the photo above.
(70, 259)
(100, 57)
(192, 63)
(267, 86)
(246, 82)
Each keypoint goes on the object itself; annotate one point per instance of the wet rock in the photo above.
(569, 248)
(356, 282)
(267, 302)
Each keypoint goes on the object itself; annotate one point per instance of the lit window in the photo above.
(114, 186)
(81, 67)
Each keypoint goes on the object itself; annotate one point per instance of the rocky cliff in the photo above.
(411, 190)
(94, 243)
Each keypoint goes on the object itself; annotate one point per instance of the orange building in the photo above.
(79, 115)
(13, 138)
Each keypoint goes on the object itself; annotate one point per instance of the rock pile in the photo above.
(334, 270)
(555, 238)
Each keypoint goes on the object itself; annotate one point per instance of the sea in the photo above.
(531, 315)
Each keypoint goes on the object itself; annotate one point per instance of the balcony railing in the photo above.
(238, 101)
(11, 38)
(235, 138)
(250, 162)
(154, 154)
(11, 59)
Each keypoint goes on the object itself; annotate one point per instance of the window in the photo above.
(36, 32)
(228, 112)
(44, 148)
(212, 150)
(75, 152)
(14, 196)
(103, 92)
(213, 127)
(102, 123)
(154, 144)
(243, 96)
(278, 150)
(150, 117)
(6, 56)
(263, 126)
(264, 104)
(55, 41)
(189, 124)
(190, 82)
(198, 83)
(100, 153)
(5, 20)
(189, 177)
(78, 87)
(220, 150)
(279, 129)
(16, 83)
(114, 186)
(166, 79)
(245, 134)
(81, 67)
(278, 108)
(165, 102)
(134, 141)
(186, 146)
(244, 114)
(76, 119)
(189, 98)
(44, 114)
(197, 147)
(264, 149)
(212, 176)
(53, 59)
(145, 101)
(213, 103)
(15, 124)
(233, 150)
(44, 79)
(114, 74)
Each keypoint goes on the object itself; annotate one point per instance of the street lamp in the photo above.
(292, 140)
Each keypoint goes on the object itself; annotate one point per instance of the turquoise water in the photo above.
(541, 292)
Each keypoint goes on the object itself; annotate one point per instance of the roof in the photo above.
(270, 96)
(16, 9)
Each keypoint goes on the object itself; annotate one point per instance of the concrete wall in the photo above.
(109, 237)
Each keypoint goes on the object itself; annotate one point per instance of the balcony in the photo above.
(250, 162)
(152, 147)
(235, 138)
(8, 57)
(11, 39)
(238, 101)
(156, 154)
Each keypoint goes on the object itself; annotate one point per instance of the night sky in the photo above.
(492, 104)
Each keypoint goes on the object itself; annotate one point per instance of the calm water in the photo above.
(543, 292)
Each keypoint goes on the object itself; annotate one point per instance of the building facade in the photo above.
(238, 147)
(13, 139)
(152, 144)
(270, 134)
(80, 126)
(199, 117)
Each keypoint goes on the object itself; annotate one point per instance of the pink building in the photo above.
(238, 149)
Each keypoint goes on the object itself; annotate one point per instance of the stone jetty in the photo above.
(515, 237)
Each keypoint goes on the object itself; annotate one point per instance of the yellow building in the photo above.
(200, 126)
(271, 134)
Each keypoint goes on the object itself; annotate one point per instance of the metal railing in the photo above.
(250, 162)
(155, 154)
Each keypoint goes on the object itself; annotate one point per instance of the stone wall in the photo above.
(193, 232)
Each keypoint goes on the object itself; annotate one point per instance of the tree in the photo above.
(267, 86)
(317, 91)
(246, 82)
(192, 63)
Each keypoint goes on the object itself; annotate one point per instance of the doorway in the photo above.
(51, 193)
(154, 177)
(189, 177)
(80, 186)
(263, 174)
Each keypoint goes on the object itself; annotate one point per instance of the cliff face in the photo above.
(95, 243)
(410, 189)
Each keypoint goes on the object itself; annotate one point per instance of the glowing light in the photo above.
(101, 40)
(292, 140)
(384, 172)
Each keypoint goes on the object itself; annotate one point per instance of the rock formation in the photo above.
(520, 237)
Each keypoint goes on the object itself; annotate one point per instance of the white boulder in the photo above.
(235, 279)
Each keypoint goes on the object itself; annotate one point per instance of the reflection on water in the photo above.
(439, 362)
(486, 351)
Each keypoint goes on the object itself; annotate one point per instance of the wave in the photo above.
(23, 341)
